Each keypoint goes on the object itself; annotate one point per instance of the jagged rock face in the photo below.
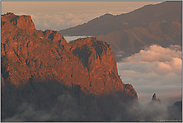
(21, 22)
(32, 55)
(27, 53)
(129, 89)
(99, 61)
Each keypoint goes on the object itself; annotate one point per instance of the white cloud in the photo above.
(155, 53)
(154, 70)
(162, 68)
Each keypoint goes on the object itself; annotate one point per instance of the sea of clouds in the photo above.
(154, 70)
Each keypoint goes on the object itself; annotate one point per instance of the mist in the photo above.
(52, 101)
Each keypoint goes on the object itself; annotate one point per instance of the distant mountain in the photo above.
(175, 111)
(130, 41)
(165, 11)
(30, 55)
(129, 33)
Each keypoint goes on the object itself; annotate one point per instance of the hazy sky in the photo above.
(59, 15)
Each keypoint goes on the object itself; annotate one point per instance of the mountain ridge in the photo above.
(132, 40)
(129, 33)
(109, 23)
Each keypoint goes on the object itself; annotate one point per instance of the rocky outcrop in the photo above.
(155, 99)
(129, 89)
(30, 55)
(98, 59)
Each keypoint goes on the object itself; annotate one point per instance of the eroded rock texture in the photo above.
(30, 55)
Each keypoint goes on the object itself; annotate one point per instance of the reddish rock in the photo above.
(33, 55)
(98, 59)
(130, 90)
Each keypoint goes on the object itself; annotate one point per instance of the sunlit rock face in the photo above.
(32, 55)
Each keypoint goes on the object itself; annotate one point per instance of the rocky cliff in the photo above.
(30, 55)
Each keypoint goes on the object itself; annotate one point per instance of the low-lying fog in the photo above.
(152, 70)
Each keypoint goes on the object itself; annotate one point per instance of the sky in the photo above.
(60, 15)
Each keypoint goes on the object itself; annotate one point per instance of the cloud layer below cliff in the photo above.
(154, 70)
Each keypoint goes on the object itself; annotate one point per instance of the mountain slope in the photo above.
(30, 55)
(167, 11)
(175, 111)
(134, 39)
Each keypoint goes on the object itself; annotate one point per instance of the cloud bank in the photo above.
(154, 70)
